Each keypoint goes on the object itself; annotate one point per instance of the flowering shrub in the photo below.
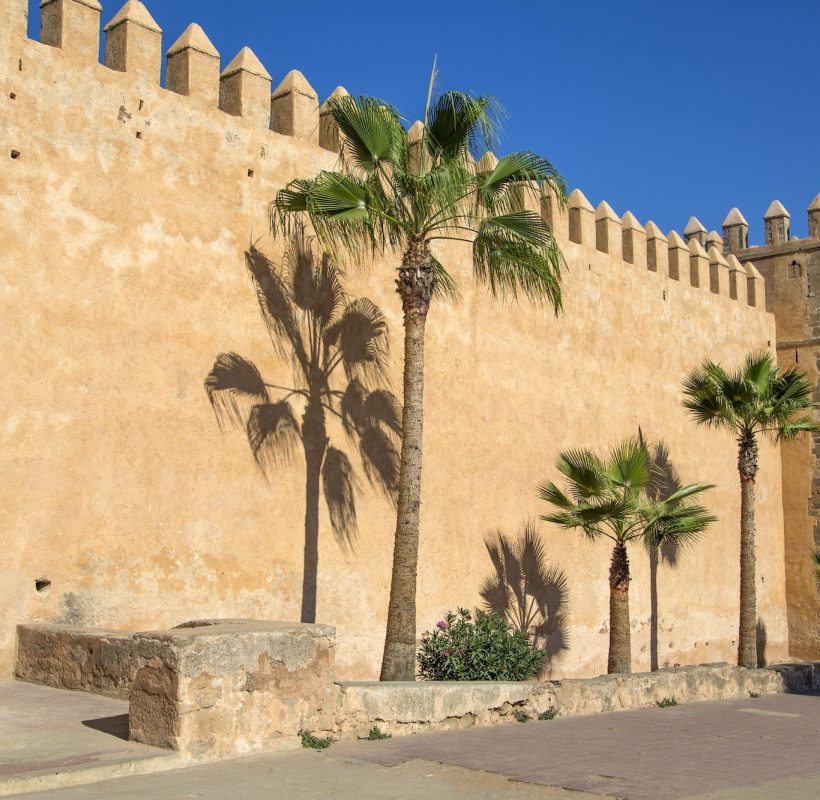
(487, 649)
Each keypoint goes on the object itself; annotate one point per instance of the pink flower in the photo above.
(442, 624)
(447, 654)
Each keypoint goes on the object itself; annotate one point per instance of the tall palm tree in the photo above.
(755, 399)
(390, 195)
(609, 497)
(338, 348)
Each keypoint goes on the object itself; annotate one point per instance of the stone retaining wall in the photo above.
(228, 687)
(400, 708)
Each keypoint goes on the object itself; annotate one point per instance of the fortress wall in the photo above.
(123, 277)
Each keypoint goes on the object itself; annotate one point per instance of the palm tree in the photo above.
(526, 591)
(609, 497)
(755, 399)
(390, 195)
(338, 348)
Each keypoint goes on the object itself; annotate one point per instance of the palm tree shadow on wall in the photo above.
(338, 349)
(529, 593)
(667, 481)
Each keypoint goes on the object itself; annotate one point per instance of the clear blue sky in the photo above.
(666, 108)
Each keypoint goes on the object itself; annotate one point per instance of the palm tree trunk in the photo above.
(314, 441)
(414, 285)
(654, 558)
(747, 634)
(620, 645)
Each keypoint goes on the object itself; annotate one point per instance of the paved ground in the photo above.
(753, 749)
(47, 731)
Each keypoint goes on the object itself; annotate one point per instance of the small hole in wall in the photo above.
(250, 173)
(15, 154)
(796, 357)
(769, 343)
(42, 585)
(664, 294)
(13, 95)
(589, 266)
(139, 134)
(20, 65)
(141, 105)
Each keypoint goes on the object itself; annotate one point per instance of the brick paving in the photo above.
(650, 754)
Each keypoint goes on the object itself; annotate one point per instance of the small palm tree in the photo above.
(610, 497)
(338, 348)
(755, 399)
(390, 195)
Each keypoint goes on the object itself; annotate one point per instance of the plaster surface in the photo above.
(128, 211)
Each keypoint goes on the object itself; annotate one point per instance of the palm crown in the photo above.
(611, 497)
(390, 192)
(756, 398)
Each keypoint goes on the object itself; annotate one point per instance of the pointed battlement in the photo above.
(735, 232)
(415, 133)
(777, 222)
(244, 88)
(738, 280)
(73, 25)
(554, 212)
(133, 45)
(694, 230)
(814, 218)
(657, 249)
(718, 272)
(678, 256)
(133, 42)
(294, 108)
(193, 66)
(698, 264)
(581, 219)
(608, 230)
(634, 240)
(328, 129)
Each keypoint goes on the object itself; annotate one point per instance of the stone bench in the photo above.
(216, 687)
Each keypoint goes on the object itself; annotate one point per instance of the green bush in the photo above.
(487, 649)
(550, 713)
(375, 735)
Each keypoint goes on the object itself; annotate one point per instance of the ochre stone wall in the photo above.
(123, 222)
(792, 274)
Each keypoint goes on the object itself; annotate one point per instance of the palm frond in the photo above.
(459, 123)
(234, 385)
(317, 286)
(372, 133)
(277, 306)
(360, 334)
(273, 434)
(338, 484)
(380, 458)
(509, 261)
(445, 286)
(500, 189)
(629, 465)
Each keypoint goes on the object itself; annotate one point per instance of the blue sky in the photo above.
(664, 108)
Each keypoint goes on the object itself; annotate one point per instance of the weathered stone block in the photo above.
(68, 657)
(231, 687)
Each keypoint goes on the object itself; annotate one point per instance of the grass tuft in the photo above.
(311, 742)
(375, 735)
(667, 702)
(550, 713)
